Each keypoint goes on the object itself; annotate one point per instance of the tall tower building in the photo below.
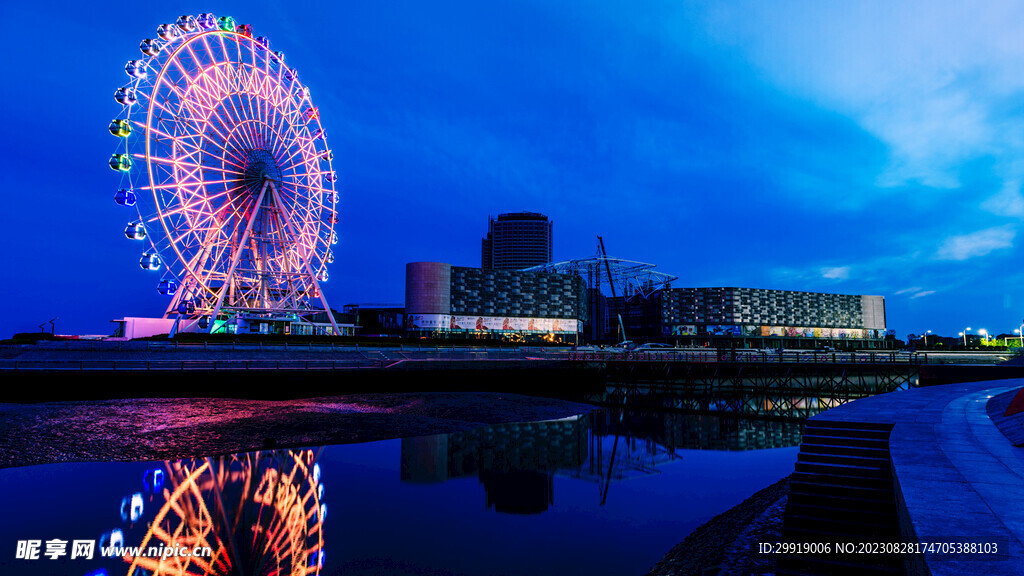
(516, 241)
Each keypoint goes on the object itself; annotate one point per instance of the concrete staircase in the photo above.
(841, 491)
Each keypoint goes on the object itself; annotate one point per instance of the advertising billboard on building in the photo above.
(490, 323)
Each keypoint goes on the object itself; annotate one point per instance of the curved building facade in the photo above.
(428, 288)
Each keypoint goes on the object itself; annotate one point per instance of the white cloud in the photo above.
(922, 294)
(977, 243)
(840, 273)
(909, 290)
(929, 78)
(1008, 202)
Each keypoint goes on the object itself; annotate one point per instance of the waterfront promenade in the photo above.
(956, 476)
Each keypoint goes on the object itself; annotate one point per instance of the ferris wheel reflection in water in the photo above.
(259, 513)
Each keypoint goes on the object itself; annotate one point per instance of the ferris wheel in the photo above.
(224, 156)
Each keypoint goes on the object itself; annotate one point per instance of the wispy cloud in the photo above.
(1008, 201)
(838, 273)
(922, 294)
(978, 243)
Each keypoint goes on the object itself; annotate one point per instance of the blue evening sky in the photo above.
(850, 147)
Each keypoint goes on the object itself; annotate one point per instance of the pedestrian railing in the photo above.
(187, 365)
(748, 356)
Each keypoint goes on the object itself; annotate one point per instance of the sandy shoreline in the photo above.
(165, 428)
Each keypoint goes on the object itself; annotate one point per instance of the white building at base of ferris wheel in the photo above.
(132, 327)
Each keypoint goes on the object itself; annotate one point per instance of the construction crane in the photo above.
(611, 282)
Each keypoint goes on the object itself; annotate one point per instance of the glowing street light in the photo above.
(964, 334)
(983, 334)
(1021, 334)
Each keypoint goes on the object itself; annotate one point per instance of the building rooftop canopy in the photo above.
(521, 216)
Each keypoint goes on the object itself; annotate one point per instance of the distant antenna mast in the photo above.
(42, 329)
(608, 268)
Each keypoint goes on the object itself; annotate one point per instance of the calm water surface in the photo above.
(589, 495)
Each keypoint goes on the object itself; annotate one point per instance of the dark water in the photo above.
(603, 493)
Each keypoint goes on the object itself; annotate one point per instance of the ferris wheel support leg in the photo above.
(323, 300)
(238, 254)
(309, 269)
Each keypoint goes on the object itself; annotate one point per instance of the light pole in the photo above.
(984, 335)
(1021, 334)
(964, 334)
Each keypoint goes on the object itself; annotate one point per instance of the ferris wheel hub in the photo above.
(260, 166)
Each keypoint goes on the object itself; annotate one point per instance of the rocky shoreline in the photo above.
(726, 544)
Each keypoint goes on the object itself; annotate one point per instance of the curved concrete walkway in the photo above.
(957, 477)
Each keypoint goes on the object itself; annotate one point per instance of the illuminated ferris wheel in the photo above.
(259, 513)
(224, 156)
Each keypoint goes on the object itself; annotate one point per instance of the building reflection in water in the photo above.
(516, 463)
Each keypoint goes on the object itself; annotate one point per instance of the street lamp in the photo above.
(926, 338)
(984, 335)
(1021, 334)
(964, 334)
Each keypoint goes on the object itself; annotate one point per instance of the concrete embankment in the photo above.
(726, 543)
(955, 477)
(135, 370)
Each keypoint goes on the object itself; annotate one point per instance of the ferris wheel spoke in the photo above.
(255, 114)
(258, 127)
(186, 102)
(281, 142)
(175, 122)
(171, 161)
(202, 76)
(303, 149)
(239, 214)
(251, 136)
(194, 229)
(183, 104)
(228, 158)
(200, 101)
(184, 208)
(242, 127)
(268, 90)
(288, 197)
(176, 185)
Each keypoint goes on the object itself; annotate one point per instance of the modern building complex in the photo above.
(445, 300)
(516, 241)
(752, 317)
(772, 314)
(568, 301)
(652, 310)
